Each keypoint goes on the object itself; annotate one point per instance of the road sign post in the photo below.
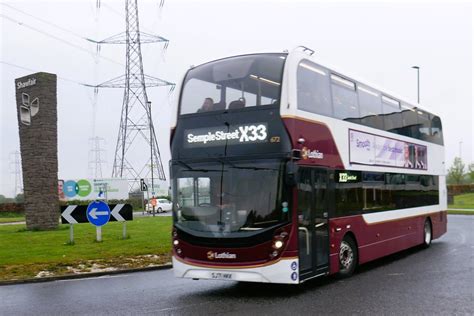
(71, 234)
(143, 188)
(98, 213)
(98, 231)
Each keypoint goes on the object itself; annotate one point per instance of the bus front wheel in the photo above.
(348, 257)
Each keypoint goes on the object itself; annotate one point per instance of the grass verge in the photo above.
(6, 217)
(465, 201)
(27, 254)
(461, 212)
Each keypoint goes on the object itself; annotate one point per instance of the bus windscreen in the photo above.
(229, 198)
(233, 83)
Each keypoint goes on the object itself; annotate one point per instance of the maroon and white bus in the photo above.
(284, 170)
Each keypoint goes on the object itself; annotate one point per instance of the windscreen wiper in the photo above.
(194, 170)
(245, 168)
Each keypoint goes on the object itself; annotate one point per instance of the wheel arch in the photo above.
(428, 218)
(353, 237)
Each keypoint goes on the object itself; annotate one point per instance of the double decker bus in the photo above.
(284, 169)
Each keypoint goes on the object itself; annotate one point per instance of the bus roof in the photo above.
(299, 53)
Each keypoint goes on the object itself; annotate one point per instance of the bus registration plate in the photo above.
(221, 276)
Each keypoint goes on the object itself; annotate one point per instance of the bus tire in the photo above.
(348, 257)
(427, 233)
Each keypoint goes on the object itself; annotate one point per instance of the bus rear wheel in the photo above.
(427, 234)
(348, 257)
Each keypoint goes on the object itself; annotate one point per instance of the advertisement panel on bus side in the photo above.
(370, 149)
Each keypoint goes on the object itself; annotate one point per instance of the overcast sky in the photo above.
(376, 41)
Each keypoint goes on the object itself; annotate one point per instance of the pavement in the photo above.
(145, 214)
(434, 281)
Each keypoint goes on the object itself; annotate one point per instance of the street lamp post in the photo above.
(151, 153)
(418, 80)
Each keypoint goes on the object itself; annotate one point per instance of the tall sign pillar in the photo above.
(37, 120)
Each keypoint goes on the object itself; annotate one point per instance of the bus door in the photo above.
(313, 228)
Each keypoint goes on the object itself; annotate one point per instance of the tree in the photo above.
(20, 198)
(456, 172)
(471, 172)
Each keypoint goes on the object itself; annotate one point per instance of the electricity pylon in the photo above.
(137, 155)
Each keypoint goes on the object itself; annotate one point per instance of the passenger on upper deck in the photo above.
(206, 105)
(237, 104)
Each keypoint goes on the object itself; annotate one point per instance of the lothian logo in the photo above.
(28, 108)
(311, 154)
(211, 255)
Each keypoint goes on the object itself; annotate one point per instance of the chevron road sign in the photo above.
(76, 214)
(97, 213)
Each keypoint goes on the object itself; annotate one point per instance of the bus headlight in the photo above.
(277, 244)
(176, 242)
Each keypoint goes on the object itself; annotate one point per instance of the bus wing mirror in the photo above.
(291, 175)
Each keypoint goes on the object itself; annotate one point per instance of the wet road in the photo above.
(438, 280)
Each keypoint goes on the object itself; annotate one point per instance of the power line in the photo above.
(58, 39)
(34, 70)
(44, 21)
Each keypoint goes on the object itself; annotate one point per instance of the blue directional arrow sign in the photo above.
(98, 213)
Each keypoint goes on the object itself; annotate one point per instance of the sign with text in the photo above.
(370, 149)
(36, 104)
(91, 189)
(348, 176)
(233, 135)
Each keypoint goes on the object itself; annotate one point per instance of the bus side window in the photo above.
(409, 122)
(313, 89)
(424, 125)
(392, 116)
(348, 193)
(370, 107)
(344, 97)
(436, 130)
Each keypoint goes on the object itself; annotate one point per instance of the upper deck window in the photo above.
(436, 130)
(392, 115)
(314, 94)
(370, 107)
(424, 124)
(233, 83)
(344, 98)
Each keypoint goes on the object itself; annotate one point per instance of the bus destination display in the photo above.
(234, 134)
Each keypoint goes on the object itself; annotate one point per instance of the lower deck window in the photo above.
(370, 192)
